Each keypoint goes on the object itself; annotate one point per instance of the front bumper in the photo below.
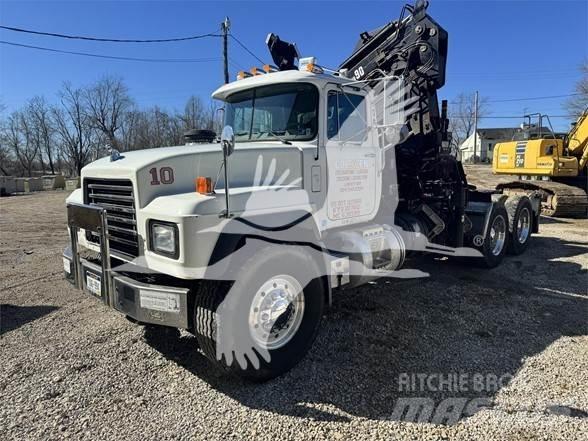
(143, 302)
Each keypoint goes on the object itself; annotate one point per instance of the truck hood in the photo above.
(168, 171)
(138, 159)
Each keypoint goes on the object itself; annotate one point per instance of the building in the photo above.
(487, 138)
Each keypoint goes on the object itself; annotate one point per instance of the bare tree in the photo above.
(74, 127)
(578, 103)
(461, 116)
(21, 140)
(5, 158)
(193, 117)
(107, 101)
(40, 115)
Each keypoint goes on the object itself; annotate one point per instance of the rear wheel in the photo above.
(493, 246)
(520, 218)
(262, 325)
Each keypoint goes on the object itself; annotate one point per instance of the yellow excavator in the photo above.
(555, 167)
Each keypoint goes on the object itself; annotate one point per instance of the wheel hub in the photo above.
(523, 225)
(276, 311)
(497, 235)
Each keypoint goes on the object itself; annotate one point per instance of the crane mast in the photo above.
(414, 48)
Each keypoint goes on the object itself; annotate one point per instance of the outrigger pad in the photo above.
(283, 53)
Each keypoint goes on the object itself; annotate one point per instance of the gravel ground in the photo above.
(71, 368)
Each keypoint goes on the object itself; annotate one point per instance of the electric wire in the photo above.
(247, 49)
(110, 40)
(114, 57)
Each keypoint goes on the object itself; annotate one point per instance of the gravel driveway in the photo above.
(71, 368)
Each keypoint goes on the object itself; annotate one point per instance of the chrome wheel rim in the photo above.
(497, 235)
(276, 312)
(524, 225)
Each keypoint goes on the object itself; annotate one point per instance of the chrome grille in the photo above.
(117, 197)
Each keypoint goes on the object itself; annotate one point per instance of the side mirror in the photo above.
(228, 140)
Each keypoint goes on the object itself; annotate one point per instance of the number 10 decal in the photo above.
(164, 176)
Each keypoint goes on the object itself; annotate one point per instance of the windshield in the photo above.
(281, 111)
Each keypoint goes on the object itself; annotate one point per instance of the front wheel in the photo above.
(262, 325)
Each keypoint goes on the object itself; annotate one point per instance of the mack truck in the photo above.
(322, 180)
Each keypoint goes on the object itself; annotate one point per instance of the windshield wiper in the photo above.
(275, 135)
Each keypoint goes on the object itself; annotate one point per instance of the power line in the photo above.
(247, 49)
(113, 57)
(110, 40)
(505, 117)
(533, 98)
(508, 100)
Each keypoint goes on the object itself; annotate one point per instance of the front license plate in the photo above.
(93, 284)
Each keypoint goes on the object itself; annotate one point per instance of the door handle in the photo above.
(369, 155)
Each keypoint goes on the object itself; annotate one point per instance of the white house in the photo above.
(486, 139)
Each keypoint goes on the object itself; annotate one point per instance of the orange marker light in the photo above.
(203, 185)
(256, 71)
(242, 74)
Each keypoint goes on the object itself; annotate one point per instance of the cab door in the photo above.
(352, 158)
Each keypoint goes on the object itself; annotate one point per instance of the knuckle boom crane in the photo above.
(414, 48)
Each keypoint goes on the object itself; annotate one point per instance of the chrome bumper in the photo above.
(143, 302)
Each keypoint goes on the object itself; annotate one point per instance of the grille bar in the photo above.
(117, 197)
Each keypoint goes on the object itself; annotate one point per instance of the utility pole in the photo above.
(225, 26)
(476, 125)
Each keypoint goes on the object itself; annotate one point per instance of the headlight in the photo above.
(164, 239)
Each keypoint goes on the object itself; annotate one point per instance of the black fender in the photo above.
(247, 235)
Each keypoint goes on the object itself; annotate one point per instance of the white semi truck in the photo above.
(322, 180)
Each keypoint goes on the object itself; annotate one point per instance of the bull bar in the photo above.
(142, 302)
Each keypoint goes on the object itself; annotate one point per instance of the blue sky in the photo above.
(505, 50)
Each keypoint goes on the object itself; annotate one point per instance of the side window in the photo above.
(346, 117)
(332, 115)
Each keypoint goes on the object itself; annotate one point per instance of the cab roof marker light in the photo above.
(242, 74)
(257, 71)
(268, 68)
(308, 64)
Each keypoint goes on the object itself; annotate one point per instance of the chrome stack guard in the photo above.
(143, 302)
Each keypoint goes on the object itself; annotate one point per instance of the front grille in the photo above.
(117, 197)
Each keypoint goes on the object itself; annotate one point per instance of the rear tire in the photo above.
(495, 243)
(520, 219)
(267, 275)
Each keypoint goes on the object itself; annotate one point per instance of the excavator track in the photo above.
(557, 199)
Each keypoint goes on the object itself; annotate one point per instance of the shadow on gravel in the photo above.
(13, 317)
(467, 321)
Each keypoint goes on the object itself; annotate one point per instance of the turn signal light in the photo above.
(203, 185)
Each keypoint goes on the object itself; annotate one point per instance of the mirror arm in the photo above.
(226, 167)
(228, 146)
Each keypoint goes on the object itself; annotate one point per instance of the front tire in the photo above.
(272, 312)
